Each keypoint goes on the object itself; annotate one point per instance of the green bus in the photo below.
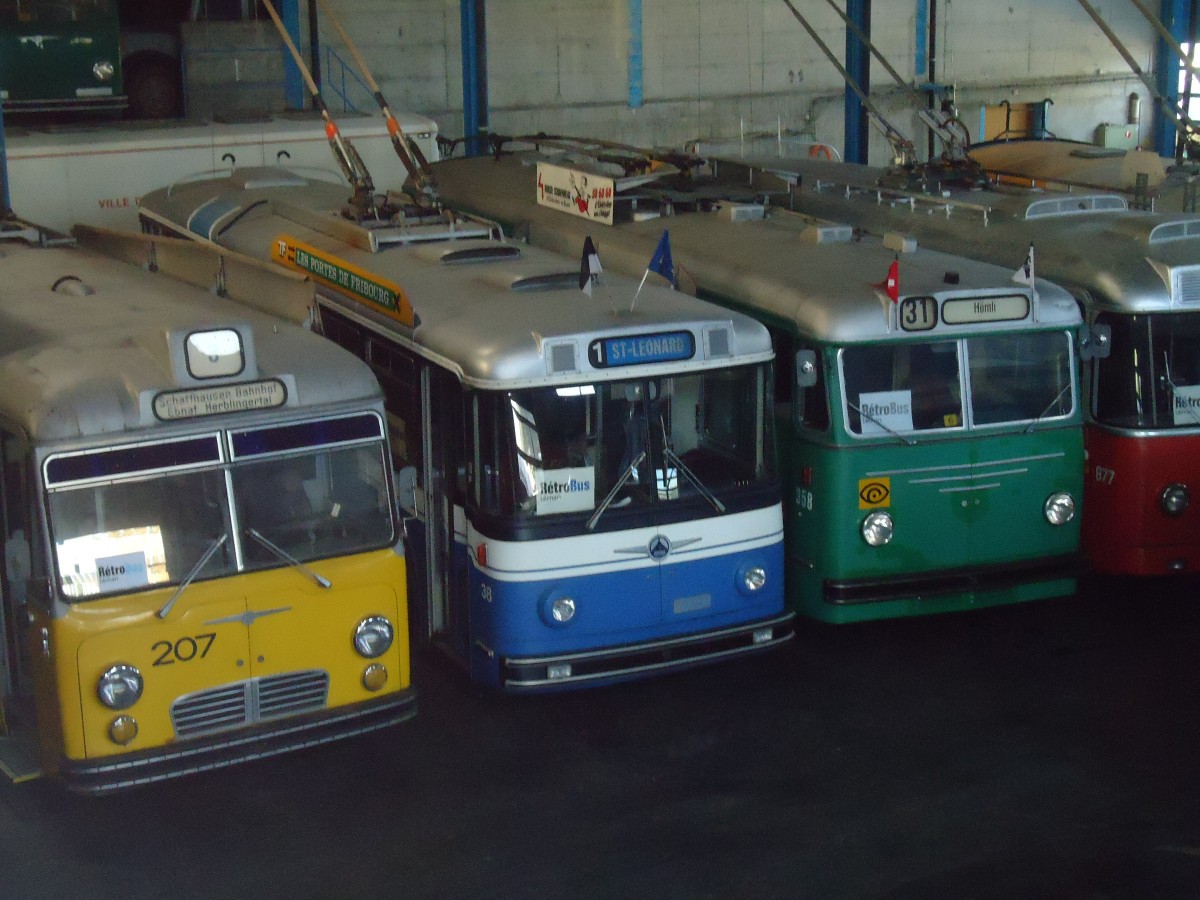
(60, 56)
(930, 435)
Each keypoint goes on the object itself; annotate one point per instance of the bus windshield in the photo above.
(148, 532)
(920, 387)
(1151, 378)
(564, 449)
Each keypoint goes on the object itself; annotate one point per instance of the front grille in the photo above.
(246, 702)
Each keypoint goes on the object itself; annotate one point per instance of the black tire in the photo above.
(154, 91)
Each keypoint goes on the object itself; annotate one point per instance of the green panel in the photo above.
(956, 502)
(47, 59)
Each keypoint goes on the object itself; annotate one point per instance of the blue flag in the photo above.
(661, 261)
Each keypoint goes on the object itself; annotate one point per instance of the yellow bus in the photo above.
(199, 563)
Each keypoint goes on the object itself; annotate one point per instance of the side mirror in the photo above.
(806, 368)
(1095, 342)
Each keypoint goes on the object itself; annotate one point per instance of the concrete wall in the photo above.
(721, 70)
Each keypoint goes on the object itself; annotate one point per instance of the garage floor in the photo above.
(1045, 751)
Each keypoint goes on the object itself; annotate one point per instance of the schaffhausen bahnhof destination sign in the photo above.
(344, 277)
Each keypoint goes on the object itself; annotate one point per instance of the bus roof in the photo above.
(762, 259)
(488, 310)
(1114, 258)
(81, 360)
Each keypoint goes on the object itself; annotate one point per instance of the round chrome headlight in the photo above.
(753, 579)
(123, 730)
(104, 70)
(1059, 509)
(1175, 499)
(120, 686)
(373, 636)
(877, 528)
(562, 609)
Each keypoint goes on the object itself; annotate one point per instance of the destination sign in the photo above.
(641, 349)
(344, 277)
(578, 193)
(971, 310)
(213, 401)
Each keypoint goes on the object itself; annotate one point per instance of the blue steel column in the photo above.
(474, 64)
(294, 92)
(1174, 15)
(635, 54)
(858, 64)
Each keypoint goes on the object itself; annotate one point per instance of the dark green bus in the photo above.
(60, 55)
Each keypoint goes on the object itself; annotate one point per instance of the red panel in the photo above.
(1124, 527)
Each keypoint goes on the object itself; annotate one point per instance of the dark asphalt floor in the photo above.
(1050, 750)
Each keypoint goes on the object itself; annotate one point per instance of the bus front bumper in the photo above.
(113, 773)
(579, 669)
(940, 583)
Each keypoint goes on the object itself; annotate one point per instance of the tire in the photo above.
(154, 91)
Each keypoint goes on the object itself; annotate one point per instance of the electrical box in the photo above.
(1123, 137)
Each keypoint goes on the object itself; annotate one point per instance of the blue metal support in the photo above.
(921, 38)
(1174, 15)
(474, 64)
(858, 64)
(294, 91)
(635, 54)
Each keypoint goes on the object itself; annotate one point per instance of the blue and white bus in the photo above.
(592, 489)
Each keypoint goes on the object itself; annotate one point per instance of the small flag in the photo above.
(1024, 275)
(661, 261)
(589, 266)
(891, 284)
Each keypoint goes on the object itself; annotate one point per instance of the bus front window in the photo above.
(903, 387)
(660, 439)
(1151, 378)
(312, 506)
(132, 535)
(1020, 377)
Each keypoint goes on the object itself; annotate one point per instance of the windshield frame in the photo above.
(959, 409)
(581, 439)
(115, 487)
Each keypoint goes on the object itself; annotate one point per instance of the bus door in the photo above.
(444, 482)
(14, 578)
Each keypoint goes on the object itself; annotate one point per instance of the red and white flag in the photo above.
(891, 284)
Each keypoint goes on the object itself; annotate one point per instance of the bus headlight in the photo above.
(557, 609)
(123, 730)
(104, 70)
(1174, 499)
(120, 686)
(752, 579)
(373, 636)
(562, 609)
(1059, 509)
(877, 528)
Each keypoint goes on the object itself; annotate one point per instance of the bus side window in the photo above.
(810, 407)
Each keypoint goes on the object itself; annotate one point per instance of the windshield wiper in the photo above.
(1042, 414)
(867, 415)
(669, 455)
(191, 576)
(318, 580)
(607, 501)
